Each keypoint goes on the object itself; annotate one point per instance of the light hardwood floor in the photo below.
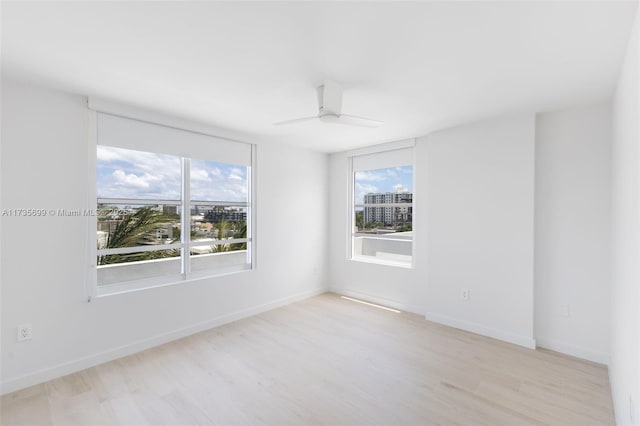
(325, 360)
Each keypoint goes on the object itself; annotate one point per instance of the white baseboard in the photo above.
(17, 383)
(619, 411)
(578, 352)
(414, 309)
(483, 330)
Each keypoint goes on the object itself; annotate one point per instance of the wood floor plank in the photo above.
(325, 361)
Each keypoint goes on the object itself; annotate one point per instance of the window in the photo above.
(382, 207)
(172, 205)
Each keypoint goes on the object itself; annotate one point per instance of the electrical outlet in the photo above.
(565, 310)
(24, 332)
(631, 410)
(465, 294)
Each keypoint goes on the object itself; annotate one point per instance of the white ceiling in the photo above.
(418, 66)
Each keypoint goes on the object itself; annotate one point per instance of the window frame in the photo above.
(185, 275)
(352, 205)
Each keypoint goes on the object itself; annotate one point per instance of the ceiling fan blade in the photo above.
(297, 120)
(330, 98)
(353, 120)
(330, 107)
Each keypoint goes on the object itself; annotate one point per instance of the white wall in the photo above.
(572, 231)
(473, 227)
(479, 194)
(388, 285)
(624, 370)
(44, 165)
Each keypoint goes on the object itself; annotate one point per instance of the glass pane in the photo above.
(384, 186)
(213, 181)
(216, 256)
(129, 174)
(211, 223)
(218, 227)
(137, 225)
(381, 232)
(117, 268)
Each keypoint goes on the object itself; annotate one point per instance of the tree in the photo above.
(359, 220)
(138, 229)
(222, 228)
(240, 232)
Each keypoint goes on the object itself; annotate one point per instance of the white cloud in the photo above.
(361, 189)
(225, 183)
(200, 175)
(131, 180)
(137, 175)
(237, 174)
(400, 188)
(371, 175)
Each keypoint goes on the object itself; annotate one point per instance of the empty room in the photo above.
(320, 213)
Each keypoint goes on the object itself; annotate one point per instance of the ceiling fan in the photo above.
(330, 109)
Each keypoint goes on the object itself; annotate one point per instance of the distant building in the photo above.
(392, 215)
(230, 215)
(169, 209)
(108, 226)
(103, 238)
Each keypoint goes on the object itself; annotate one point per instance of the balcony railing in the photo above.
(394, 248)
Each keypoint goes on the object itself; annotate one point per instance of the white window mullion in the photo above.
(92, 220)
(185, 234)
(387, 205)
(137, 249)
(250, 222)
(351, 218)
(138, 202)
(220, 203)
(219, 242)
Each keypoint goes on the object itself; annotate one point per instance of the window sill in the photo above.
(133, 286)
(384, 262)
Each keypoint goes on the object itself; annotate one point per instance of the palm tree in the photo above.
(138, 229)
(241, 232)
(222, 228)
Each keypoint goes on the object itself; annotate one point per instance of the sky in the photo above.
(382, 180)
(124, 173)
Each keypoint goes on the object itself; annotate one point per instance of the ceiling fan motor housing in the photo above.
(330, 99)
(330, 109)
